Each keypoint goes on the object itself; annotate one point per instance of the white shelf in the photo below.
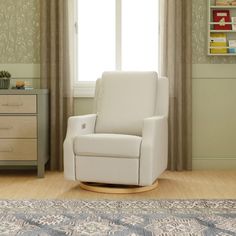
(223, 7)
(225, 55)
(230, 34)
(222, 47)
(223, 31)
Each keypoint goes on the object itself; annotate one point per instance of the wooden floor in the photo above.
(172, 185)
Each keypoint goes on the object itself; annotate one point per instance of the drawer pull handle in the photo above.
(12, 104)
(10, 149)
(6, 127)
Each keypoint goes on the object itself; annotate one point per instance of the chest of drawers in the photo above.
(24, 128)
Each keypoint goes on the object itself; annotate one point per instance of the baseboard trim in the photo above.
(210, 163)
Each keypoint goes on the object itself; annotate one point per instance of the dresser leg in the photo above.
(40, 170)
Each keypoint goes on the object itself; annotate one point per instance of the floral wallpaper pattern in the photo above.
(19, 31)
(200, 37)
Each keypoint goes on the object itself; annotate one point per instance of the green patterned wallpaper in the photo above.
(19, 31)
(200, 37)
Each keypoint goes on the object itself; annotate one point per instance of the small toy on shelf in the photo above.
(20, 84)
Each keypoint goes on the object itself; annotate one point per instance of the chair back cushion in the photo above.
(124, 100)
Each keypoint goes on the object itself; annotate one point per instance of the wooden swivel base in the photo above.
(114, 188)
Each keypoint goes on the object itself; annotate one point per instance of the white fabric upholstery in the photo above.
(126, 142)
(109, 170)
(113, 145)
(77, 125)
(125, 100)
(154, 156)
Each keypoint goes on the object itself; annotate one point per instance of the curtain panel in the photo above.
(57, 70)
(176, 64)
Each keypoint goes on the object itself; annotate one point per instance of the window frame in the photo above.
(87, 88)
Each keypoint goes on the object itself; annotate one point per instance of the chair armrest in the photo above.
(80, 125)
(154, 149)
(77, 125)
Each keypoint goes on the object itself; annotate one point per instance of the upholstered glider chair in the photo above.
(124, 143)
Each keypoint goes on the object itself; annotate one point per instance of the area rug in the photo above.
(126, 218)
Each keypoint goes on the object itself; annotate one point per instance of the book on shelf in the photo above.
(223, 17)
(232, 46)
(219, 42)
(233, 19)
(225, 2)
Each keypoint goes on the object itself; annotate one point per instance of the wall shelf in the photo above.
(223, 7)
(228, 34)
(223, 47)
(225, 55)
(223, 31)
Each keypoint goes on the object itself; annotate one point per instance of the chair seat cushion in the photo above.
(108, 145)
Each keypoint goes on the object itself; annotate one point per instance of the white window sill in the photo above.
(84, 89)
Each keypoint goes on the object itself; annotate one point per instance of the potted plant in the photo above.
(4, 79)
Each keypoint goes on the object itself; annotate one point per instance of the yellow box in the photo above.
(222, 47)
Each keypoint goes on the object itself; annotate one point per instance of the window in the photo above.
(116, 35)
(139, 35)
(96, 38)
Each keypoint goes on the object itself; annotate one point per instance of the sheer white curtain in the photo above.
(176, 64)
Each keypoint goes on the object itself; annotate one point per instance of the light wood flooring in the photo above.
(172, 185)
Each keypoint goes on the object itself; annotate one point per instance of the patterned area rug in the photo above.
(128, 218)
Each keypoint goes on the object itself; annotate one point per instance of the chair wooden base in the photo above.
(114, 188)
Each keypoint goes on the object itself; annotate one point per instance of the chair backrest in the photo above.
(124, 99)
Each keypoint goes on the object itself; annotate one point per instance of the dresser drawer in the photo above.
(18, 127)
(18, 104)
(18, 149)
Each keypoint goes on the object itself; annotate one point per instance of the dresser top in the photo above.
(23, 92)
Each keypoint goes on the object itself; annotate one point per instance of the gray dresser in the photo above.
(24, 128)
